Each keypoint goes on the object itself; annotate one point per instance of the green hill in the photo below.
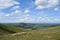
(7, 29)
(51, 33)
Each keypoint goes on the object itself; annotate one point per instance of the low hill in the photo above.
(7, 29)
(33, 26)
(51, 33)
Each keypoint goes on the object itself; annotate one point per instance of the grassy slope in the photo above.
(6, 29)
(52, 33)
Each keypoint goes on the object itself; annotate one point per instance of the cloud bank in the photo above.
(42, 4)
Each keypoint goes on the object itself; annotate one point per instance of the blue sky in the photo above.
(30, 11)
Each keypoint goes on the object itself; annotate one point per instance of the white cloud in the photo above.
(7, 3)
(26, 19)
(7, 14)
(15, 2)
(12, 16)
(48, 20)
(44, 14)
(56, 9)
(22, 19)
(40, 7)
(16, 12)
(41, 4)
(57, 19)
(16, 7)
(26, 11)
(27, 15)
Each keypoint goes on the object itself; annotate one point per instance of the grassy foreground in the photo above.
(52, 33)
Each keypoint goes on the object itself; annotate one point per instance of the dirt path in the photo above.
(21, 33)
(15, 34)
